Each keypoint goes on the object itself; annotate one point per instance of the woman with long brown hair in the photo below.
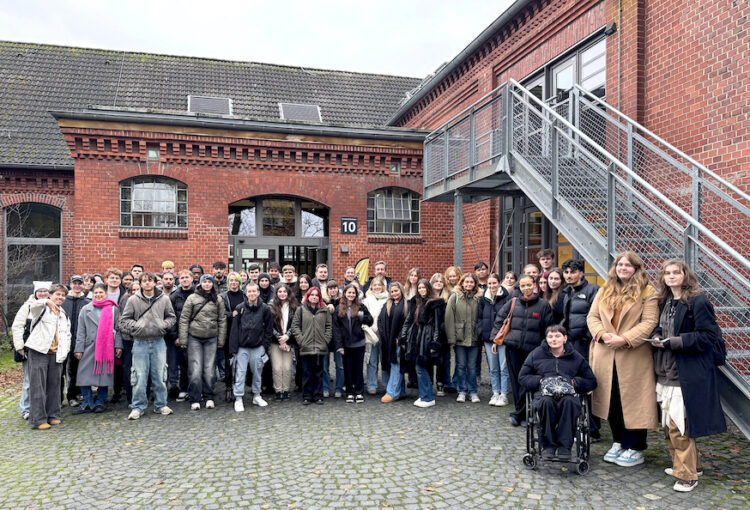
(281, 352)
(621, 319)
(349, 340)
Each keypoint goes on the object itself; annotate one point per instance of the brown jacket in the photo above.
(635, 364)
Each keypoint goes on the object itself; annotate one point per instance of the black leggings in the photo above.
(633, 439)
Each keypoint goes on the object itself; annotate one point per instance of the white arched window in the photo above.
(156, 202)
(392, 211)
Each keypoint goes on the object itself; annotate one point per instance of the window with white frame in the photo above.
(392, 211)
(150, 201)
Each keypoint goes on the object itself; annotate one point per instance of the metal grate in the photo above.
(300, 112)
(212, 105)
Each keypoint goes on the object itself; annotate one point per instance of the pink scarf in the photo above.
(104, 350)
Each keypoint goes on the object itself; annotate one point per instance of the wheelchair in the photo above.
(581, 441)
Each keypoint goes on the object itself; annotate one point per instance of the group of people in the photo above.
(168, 335)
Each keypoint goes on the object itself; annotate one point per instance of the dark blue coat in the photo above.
(487, 310)
(541, 363)
(696, 326)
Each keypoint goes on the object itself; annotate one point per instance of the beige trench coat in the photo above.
(635, 364)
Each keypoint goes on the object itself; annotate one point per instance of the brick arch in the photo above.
(404, 186)
(281, 195)
(32, 197)
(296, 188)
(150, 173)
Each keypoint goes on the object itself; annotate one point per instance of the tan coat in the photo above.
(635, 364)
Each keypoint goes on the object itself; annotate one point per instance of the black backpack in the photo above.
(27, 329)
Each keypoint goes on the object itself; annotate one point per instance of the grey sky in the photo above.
(407, 37)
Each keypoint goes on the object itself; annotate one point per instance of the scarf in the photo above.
(104, 349)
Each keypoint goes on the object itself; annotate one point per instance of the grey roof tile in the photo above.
(36, 78)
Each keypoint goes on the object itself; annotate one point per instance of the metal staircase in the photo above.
(608, 185)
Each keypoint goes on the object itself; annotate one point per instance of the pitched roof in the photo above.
(36, 78)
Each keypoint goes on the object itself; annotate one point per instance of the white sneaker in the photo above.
(475, 399)
(210, 404)
(182, 396)
(25, 415)
(630, 458)
(493, 400)
(424, 404)
(613, 453)
(195, 406)
(461, 397)
(670, 471)
(418, 402)
(164, 411)
(134, 414)
(502, 400)
(239, 406)
(258, 401)
(73, 403)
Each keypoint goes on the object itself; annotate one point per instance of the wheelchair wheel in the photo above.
(582, 468)
(529, 461)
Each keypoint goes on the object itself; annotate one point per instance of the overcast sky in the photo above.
(406, 37)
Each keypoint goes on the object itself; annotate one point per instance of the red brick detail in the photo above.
(394, 239)
(152, 233)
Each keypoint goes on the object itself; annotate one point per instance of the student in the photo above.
(98, 343)
(321, 277)
(509, 281)
(546, 258)
(147, 317)
(167, 283)
(412, 277)
(289, 275)
(25, 319)
(390, 321)
(74, 303)
(88, 284)
(115, 289)
(421, 337)
(334, 297)
(380, 269)
(253, 272)
(349, 340)
(555, 360)
(304, 283)
(481, 271)
(488, 307)
(167, 267)
(127, 280)
(283, 306)
(452, 276)
(177, 360)
(624, 313)
(442, 369)
(202, 328)
(274, 269)
(244, 277)
(266, 290)
(232, 298)
(552, 290)
(530, 319)
(46, 348)
(219, 269)
(461, 330)
(374, 301)
(197, 271)
(136, 270)
(249, 343)
(312, 329)
(688, 348)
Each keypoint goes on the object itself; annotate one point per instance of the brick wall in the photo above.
(222, 170)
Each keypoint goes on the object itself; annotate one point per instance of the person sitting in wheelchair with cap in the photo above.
(555, 372)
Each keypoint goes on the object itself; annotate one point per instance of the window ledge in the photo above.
(394, 239)
(152, 233)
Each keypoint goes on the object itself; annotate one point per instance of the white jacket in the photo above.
(374, 303)
(19, 322)
(42, 335)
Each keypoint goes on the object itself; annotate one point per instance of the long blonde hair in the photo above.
(445, 293)
(615, 293)
(447, 280)
(690, 286)
(407, 286)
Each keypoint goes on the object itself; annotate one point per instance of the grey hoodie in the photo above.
(153, 324)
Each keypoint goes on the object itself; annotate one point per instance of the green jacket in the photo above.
(208, 321)
(312, 330)
(461, 319)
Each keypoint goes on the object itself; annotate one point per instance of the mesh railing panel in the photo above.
(434, 160)
(459, 139)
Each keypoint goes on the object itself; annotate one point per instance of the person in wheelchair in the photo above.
(556, 373)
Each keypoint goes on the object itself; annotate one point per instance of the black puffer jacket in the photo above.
(528, 325)
(576, 305)
(178, 298)
(541, 363)
(253, 327)
(348, 332)
(423, 336)
(488, 308)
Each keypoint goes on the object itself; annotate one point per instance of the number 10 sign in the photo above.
(349, 226)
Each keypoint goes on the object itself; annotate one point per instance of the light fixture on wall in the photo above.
(610, 29)
(344, 249)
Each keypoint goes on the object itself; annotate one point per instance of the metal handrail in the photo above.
(703, 168)
(637, 178)
(466, 112)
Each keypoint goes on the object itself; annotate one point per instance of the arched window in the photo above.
(156, 202)
(392, 211)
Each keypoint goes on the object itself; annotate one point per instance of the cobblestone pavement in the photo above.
(338, 455)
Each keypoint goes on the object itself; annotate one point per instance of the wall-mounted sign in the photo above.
(349, 226)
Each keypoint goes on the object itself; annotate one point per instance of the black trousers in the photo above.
(70, 372)
(630, 439)
(557, 419)
(515, 359)
(353, 365)
(312, 375)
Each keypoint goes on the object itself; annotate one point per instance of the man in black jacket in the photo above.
(250, 338)
(577, 298)
(74, 301)
(177, 377)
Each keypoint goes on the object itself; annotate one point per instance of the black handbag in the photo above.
(27, 328)
(557, 387)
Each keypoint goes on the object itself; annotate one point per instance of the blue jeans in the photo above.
(254, 357)
(425, 384)
(499, 377)
(448, 381)
(396, 387)
(339, 383)
(25, 402)
(372, 369)
(149, 359)
(88, 397)
(201, 354)
(466, 369)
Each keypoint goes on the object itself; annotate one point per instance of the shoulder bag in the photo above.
(504, 329)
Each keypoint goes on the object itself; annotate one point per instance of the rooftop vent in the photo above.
(301, 112)
(208, 104)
